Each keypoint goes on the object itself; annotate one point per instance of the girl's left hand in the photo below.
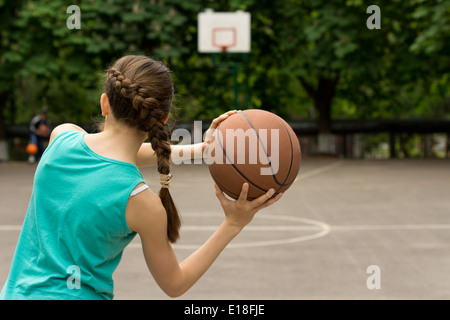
(215, 123)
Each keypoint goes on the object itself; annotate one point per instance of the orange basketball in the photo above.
(32, 148)
(257, 147)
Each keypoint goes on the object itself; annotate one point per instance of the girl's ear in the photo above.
(165, 119)
(104, 104)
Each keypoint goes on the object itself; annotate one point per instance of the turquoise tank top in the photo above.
(75, 228)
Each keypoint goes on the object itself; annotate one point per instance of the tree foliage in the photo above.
(309, 59)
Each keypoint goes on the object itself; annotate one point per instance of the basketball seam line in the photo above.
(292, 156)
(259, 140)
(267, 156)
(237, 170)
(235, 194)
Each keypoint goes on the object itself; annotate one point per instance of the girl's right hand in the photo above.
(215, 123)
(240, 212)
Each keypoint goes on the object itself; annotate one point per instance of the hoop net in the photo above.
(224, 38)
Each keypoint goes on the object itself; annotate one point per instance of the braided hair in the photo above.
(140, 92)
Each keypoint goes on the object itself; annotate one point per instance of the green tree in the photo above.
(304, 53)
(331, 51)
(10, 61)
(45, 63)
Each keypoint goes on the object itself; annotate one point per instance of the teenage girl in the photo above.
(89, 199)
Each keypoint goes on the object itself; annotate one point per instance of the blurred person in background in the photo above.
(39, 132)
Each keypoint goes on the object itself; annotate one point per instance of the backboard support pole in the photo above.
(233, 68)
(226, 34)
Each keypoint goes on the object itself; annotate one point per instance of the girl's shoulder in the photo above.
(63, 128)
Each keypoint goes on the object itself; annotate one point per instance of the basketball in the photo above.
(257, 147)
(32, 148)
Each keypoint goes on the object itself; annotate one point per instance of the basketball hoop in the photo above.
(230, 33)
(223, 32)
(224, 38)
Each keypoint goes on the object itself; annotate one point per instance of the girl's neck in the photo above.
(116, 141)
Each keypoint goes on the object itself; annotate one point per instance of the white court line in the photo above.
(255, 228)
(311, 225)
(333, 228)
(213, 228)
(317, 171)
(10, 228)
(320, 229)
(300, 228)
(391, 227)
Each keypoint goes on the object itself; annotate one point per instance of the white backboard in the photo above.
(223, 31)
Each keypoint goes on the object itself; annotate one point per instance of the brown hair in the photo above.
(140, 92)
